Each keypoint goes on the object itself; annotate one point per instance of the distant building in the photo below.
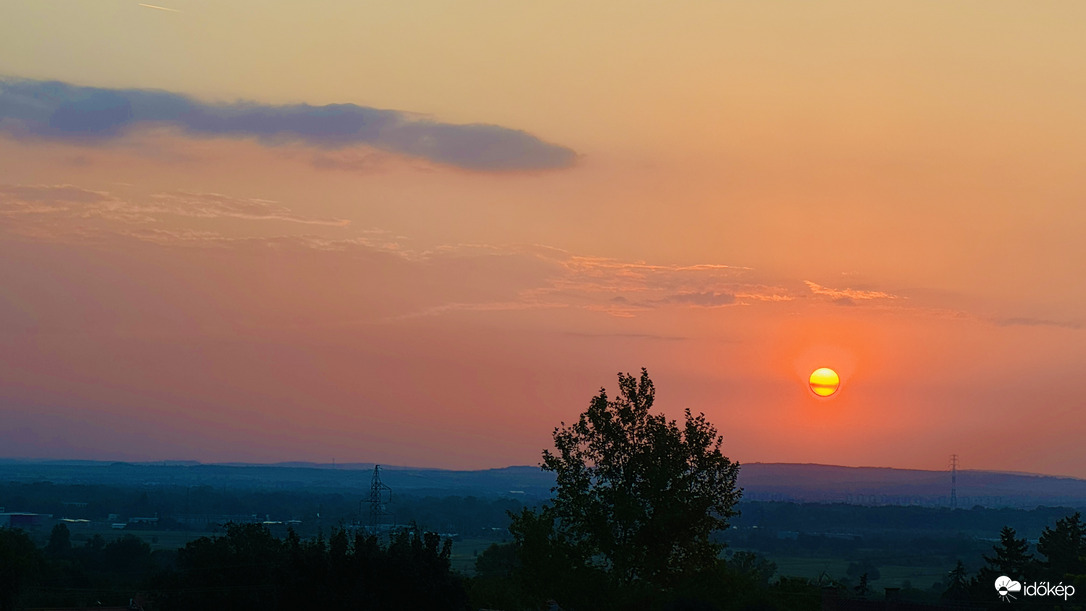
(142, 523)
(23, 520)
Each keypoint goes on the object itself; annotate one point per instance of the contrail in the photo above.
(161, 8)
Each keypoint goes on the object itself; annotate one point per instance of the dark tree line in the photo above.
(1060, 559)
(248, 568)
(65, 574)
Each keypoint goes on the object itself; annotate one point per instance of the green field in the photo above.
(891, 576)
(465, 551)
(157, 539)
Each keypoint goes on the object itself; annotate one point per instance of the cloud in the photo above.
(216, 205)
(443, 280)
(160, 8)
(350, 161)
(49, 211)
(1036, 322)
(499, 306)
(619, 335)
(88, 115)
(81, 205)
(765, 293)
(847, 296)
(50, 193)
(601, 274)
(707, 299)
(436, 281)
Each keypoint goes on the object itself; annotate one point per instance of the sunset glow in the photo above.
(424, 233)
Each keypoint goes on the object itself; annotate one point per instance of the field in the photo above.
(891, 576)
(158, 539)
(465, 551)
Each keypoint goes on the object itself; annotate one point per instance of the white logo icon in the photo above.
(1005, 585)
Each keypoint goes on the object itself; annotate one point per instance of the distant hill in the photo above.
(760, 481)
(885, 486)
(526, 482)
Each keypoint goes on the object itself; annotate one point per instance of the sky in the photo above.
(427, 233)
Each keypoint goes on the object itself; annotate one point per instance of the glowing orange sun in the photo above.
(825, 382)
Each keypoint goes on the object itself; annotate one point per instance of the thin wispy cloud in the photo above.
(707, 299)
(1025, 321)
(50, 193)
(478, 277)
(626, 288)
(93, 116)
(501, 306)
(847, 295)
(452, 279)
(159, 8)
(217, 205)
(78, 205)
(635, 336)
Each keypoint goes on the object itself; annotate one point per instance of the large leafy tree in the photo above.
(638, 495)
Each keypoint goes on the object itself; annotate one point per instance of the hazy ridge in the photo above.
(761, 481)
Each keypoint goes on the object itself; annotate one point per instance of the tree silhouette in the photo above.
(637, 495)
(248, 568)
(863, 588)
(1065, 546)
(20, 565)
(957, 589)
(60, 541)
(1012, 556)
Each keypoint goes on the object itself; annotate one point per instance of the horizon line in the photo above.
(358, 465)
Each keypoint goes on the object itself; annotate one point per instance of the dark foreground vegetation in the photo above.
(247, 567)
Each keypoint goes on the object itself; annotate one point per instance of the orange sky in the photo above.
(731, 194)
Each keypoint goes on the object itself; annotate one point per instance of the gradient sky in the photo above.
(510, 202)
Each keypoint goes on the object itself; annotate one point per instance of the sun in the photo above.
(824, 381)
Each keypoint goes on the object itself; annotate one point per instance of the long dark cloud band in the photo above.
(55, 110)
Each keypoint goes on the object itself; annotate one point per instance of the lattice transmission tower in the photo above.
(380, 497)
(953, 481)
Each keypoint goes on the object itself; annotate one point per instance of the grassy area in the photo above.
(891, 576)
(157, 539)
(465, 551)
